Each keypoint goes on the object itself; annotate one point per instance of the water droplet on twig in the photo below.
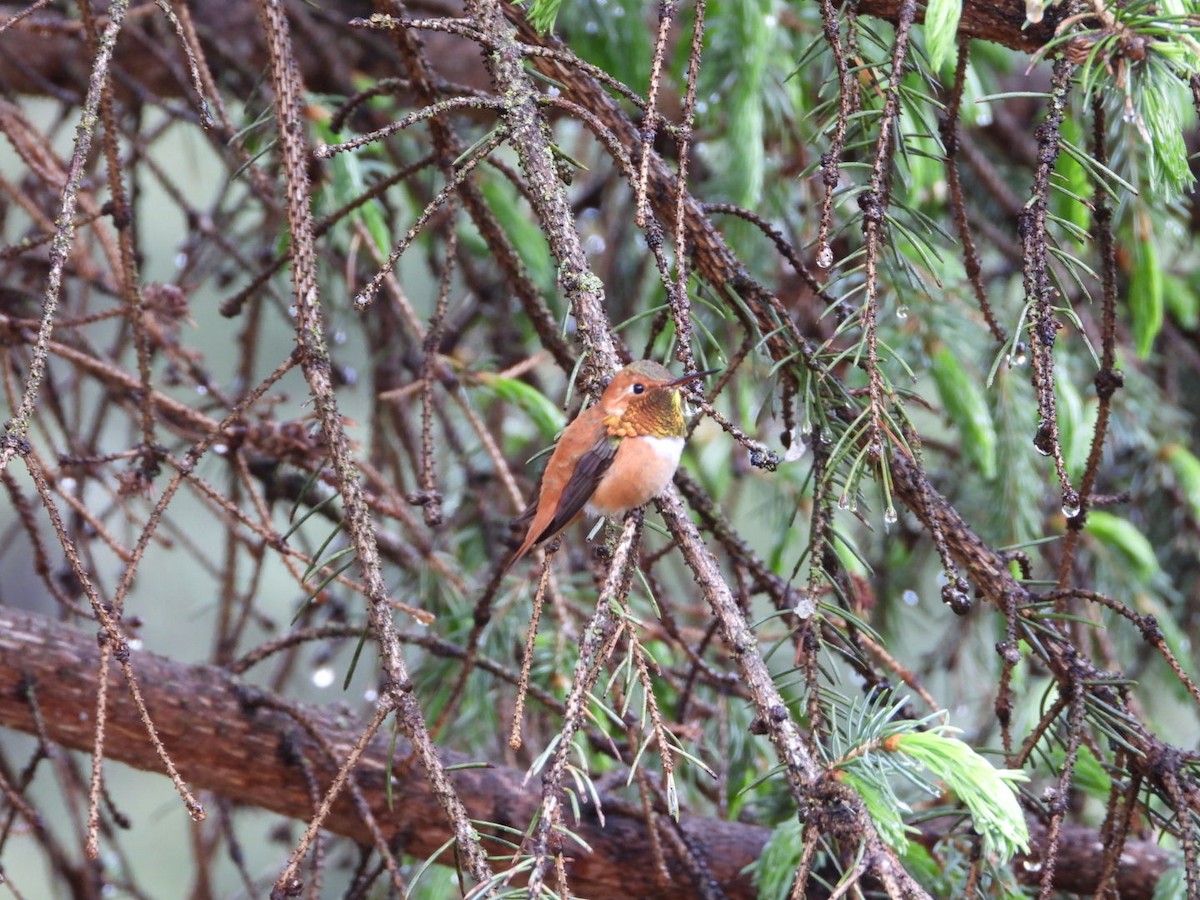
(1070, 503)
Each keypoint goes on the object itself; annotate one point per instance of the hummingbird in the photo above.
(615, 455)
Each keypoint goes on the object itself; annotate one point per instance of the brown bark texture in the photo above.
(234, 739)
(32, 61)
(231, 738)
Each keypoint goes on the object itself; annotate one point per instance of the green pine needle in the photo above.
(987, 791)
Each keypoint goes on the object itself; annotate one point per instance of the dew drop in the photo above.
(323, 676)
(370, 695)
(1019, 355)
(796, 448)
(202, 389)
(844, 501)
(901, 312)
(910, 598)
(339, 337)
(825, 257)
(181, 260)
(1043, 439)
(1070, 503)
(889, 516)
(67, 485)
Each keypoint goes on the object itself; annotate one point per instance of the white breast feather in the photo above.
(668, 449)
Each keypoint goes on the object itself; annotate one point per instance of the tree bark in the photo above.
(235, 740)
(33, 61)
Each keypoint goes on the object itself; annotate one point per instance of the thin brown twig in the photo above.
(17, 427)
(316, 365)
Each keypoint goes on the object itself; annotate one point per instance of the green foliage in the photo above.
(1073, 186)
(929, 337)
(1126, 540)
(1182, 301)
(1151, 95)
(1090, 775)
(749, 30)
(775, 869)
(542, 13)
(1186, 467)
(874, 746)
(744, 88)
(1167, 111)
(526, 237)
(1146, 295)
(988, 792)
(545, 414)
(941, 31)
(616, 35)
(1075, 427)
(886, 810)
(350, 178)
(967, 408)
(1172, 885)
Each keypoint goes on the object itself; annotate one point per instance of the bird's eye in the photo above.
(639, 388)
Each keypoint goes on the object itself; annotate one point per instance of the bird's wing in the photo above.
(588, 471)
(574, 490)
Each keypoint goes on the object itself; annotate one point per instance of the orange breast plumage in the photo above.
(641, 468)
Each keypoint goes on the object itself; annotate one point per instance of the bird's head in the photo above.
(644, 399)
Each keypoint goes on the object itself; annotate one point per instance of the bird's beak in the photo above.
(686, 378)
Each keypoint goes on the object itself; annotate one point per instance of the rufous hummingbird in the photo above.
(615, 455)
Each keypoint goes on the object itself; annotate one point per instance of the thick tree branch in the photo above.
(32, 60)
(233, 739)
